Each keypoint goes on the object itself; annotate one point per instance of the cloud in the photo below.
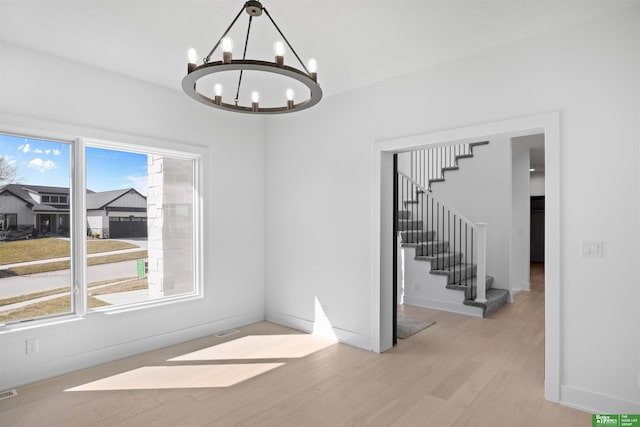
(47, 151)
(25, 148)
(42, 165)
(56, 152)
(9, 160)
(139, 182)
(38, 151)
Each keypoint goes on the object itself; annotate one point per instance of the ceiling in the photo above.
(355, 42)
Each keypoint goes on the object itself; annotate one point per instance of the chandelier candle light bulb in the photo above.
(217, 91)
(193, 57)
(290, 94)
(255, 99)
(313, 69)
(278, 47)
(227, 48)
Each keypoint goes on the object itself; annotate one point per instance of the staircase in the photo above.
(443, 253)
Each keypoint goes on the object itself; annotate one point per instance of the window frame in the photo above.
(78, 223)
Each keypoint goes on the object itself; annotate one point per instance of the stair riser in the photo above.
(404, 214)
(431, 248)
(404, 224)
(413, 236)
(462, 275)
(447, 261)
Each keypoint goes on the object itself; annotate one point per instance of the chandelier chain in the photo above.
(285, 39)
(244, 56)
(208, 57)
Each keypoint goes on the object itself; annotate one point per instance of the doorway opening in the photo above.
(383, 295)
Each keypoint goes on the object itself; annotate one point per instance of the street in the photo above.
(22, 285)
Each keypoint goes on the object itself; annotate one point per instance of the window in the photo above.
(138, 216)
(26, 290)
(8, 221)
(150, 202)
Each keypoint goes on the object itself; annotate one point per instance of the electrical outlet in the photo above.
(32, 346)
(324, 309)
(416, 287)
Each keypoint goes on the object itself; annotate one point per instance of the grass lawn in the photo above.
(51, 247)
(62, 305)
(65, 265)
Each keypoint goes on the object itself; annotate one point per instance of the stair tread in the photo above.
(439, 255)
(496, 298)
(492, 295)
(456, 267)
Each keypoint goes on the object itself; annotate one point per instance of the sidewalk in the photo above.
(45, 261)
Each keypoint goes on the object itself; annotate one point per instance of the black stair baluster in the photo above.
(460, 248)
(432, 226)
(437, 225)
(449, 239)
(423, 168)
(421, 238)
(414, 194)
(466, 250)
(441, 252)
(454, 247)
(432, 165)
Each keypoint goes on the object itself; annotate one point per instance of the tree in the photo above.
(8, 172)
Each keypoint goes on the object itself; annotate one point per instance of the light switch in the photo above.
(591, 248)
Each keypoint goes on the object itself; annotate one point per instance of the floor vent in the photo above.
(226, 333)
(7, 394)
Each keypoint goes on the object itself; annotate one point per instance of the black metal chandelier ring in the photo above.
(308, 77)
(189, 85)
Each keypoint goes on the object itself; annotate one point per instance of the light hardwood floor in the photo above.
(462, 371)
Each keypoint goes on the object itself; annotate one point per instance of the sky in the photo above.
(40, 162)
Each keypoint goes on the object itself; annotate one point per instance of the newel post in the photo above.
(481, 281)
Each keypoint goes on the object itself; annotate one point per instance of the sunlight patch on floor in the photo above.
(171, 377)
(245, 359)
(260, 347)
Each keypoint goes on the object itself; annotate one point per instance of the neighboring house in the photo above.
(117, 213)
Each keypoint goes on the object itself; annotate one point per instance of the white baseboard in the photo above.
(596, 403)
(444, 306)
(344, 336)
(61, 366)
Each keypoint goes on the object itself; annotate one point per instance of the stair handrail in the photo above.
(464, 218)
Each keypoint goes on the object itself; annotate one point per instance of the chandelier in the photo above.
(213, 96)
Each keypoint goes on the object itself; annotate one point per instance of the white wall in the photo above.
(318, 227)
(318, 202)
(45, 94)
(481, 191)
